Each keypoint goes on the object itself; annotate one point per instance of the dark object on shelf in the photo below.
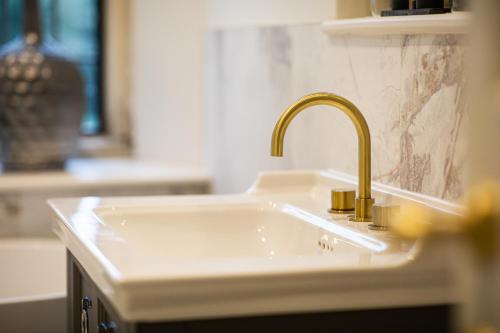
(423, 11)
(419, 4)
(399, 4)
(41, 100)
(460, 5)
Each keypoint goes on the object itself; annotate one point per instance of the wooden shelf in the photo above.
(453, 23)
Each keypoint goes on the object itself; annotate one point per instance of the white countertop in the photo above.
(103, 172)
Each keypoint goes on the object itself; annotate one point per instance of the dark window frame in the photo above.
(101, 68)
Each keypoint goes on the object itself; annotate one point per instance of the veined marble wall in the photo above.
(409, 88)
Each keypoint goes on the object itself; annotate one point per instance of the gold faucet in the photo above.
(364, 202)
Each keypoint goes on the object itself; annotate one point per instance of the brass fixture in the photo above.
(477, 222)
(343, 201)
(383, 215)
(364, 201)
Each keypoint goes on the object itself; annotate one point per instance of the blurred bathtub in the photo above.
(32, 285)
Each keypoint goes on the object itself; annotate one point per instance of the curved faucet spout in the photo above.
(364, 200)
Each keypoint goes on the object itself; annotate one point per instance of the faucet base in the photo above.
(363, 210)
(340, 211)
(360, 219)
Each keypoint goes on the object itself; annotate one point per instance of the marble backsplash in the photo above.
(409, 88)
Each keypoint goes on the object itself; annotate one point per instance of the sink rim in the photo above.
(358, 239)
(260, 266)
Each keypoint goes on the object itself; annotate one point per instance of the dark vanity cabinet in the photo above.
(88, 309)
(90, 312)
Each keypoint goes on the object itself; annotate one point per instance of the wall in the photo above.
(167, 58)
(241, 13)
(261, 57)
(117, 68)
(484, 160)
(167, 64)
(408, 87)
(485, 125)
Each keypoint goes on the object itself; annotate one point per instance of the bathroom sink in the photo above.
(228, 231)
(274, 249)
(219, 231)
(146, 242)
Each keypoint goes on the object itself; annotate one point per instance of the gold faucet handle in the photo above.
(383, 216)
(342, 201)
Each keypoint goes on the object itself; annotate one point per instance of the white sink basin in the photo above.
(229, 231)
(226, 231)
(273, 249)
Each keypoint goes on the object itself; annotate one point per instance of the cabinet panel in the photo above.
(87, 303)
(109, 322)
(73, 294)
(82, 300)
(103, 318)
(88, 307)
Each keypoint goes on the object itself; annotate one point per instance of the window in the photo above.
(77, 26)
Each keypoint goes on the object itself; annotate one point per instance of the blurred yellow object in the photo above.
(412, 222)
(485, 329)
(482, 216)
(478, 223)
(483, 201)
